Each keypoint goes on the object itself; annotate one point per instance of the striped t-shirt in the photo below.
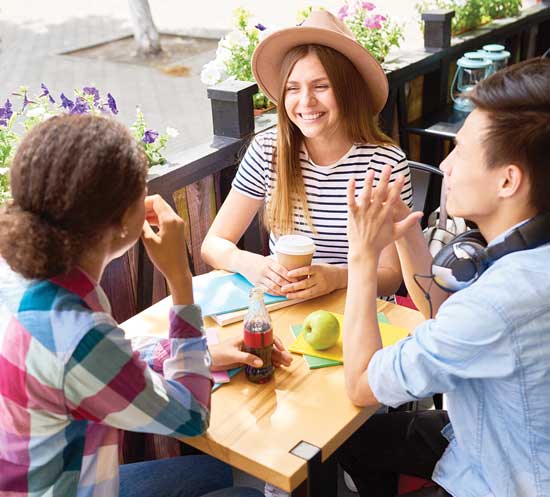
(325, 188)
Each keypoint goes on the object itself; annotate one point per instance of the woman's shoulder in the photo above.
(388, 151)
(267, 140)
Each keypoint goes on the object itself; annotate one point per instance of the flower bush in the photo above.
(374, 31)
(497, 9)
(470, 14)
(234, 55)
(34, 110)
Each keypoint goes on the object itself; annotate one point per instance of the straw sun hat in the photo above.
(320, 28)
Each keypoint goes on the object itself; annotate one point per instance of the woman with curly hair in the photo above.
(69, 379)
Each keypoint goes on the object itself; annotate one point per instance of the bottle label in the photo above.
(258, 340)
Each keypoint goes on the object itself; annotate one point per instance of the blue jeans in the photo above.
(186, 476)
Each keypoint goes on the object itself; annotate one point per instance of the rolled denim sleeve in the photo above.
(469, 338)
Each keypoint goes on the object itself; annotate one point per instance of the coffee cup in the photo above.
(294, 251)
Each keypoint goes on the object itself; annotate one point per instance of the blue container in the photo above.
(469, 72)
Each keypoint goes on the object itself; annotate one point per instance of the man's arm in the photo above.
(370, 229)
(416, 260)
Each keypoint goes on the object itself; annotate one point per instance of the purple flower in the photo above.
(149, 136)
(90, 90)
(260, 26)
(46, 93)
(374, 22)
(65, 102)
(26, 102)
(343, 12)
(6, 112)
(80, 106)
(111, 102)
(368, 6)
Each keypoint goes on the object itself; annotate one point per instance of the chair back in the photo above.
(422, 176)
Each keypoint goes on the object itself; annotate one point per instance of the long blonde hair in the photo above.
(360, 124)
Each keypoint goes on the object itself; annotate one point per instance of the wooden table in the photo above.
(259, 429)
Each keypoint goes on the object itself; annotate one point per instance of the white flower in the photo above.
(36, 112)
(212, 73)
(223, 53)
(172, 132)
(238, 38)
(4, 170)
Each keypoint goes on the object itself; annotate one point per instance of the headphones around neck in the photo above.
(464, 259)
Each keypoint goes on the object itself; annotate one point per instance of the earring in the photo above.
(124, 232)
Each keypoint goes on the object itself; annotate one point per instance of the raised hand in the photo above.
(371, 224)
(166, 248)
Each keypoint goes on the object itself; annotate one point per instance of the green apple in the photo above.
(321, 329)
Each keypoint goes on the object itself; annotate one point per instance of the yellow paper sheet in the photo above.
(390, 335)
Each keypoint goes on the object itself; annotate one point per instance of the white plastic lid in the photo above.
(295, 245)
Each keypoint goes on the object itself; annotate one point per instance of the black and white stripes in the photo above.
(325, 188)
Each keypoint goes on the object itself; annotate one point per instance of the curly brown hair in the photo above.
(71, 177)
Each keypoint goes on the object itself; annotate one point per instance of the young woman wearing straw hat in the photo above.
(329, 91)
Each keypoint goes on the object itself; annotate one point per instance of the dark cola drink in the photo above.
(258, 337)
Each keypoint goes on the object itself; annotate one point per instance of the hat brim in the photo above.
(271, 51)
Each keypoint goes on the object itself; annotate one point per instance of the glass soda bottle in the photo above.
(258, 337)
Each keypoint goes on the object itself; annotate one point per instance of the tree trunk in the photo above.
(145, 31)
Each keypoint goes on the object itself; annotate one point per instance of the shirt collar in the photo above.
(82, 284)
(503, 235)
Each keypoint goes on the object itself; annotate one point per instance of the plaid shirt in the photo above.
(69, 379)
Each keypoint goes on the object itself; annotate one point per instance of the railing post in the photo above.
(437, 29)
(232, 109)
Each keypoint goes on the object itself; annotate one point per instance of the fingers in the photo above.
(350, 194)
(280, 355)
(158, 211)
(366, 194)
(299, 272)
(406, 224)
(280, 272)
(380, 193)
(148, 234)
(295, 287)
(249, 359)
(274, 277)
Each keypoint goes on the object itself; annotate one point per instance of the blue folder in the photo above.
(221, 294)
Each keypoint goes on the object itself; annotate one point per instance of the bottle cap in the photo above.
(493, 47)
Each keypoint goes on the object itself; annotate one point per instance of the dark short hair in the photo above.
(517, 101)
(72, 176)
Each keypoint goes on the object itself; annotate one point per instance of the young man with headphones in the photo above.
(487, 346)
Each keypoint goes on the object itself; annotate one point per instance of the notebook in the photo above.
(227, 293)
(318, 362)
(390, 335)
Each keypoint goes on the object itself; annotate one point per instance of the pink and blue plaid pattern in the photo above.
(69, 379)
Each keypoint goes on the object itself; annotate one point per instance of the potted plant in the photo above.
(470, 14)
(234, 55)
(373, 30)
(33, 110)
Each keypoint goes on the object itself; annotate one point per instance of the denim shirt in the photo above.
(488, 350)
